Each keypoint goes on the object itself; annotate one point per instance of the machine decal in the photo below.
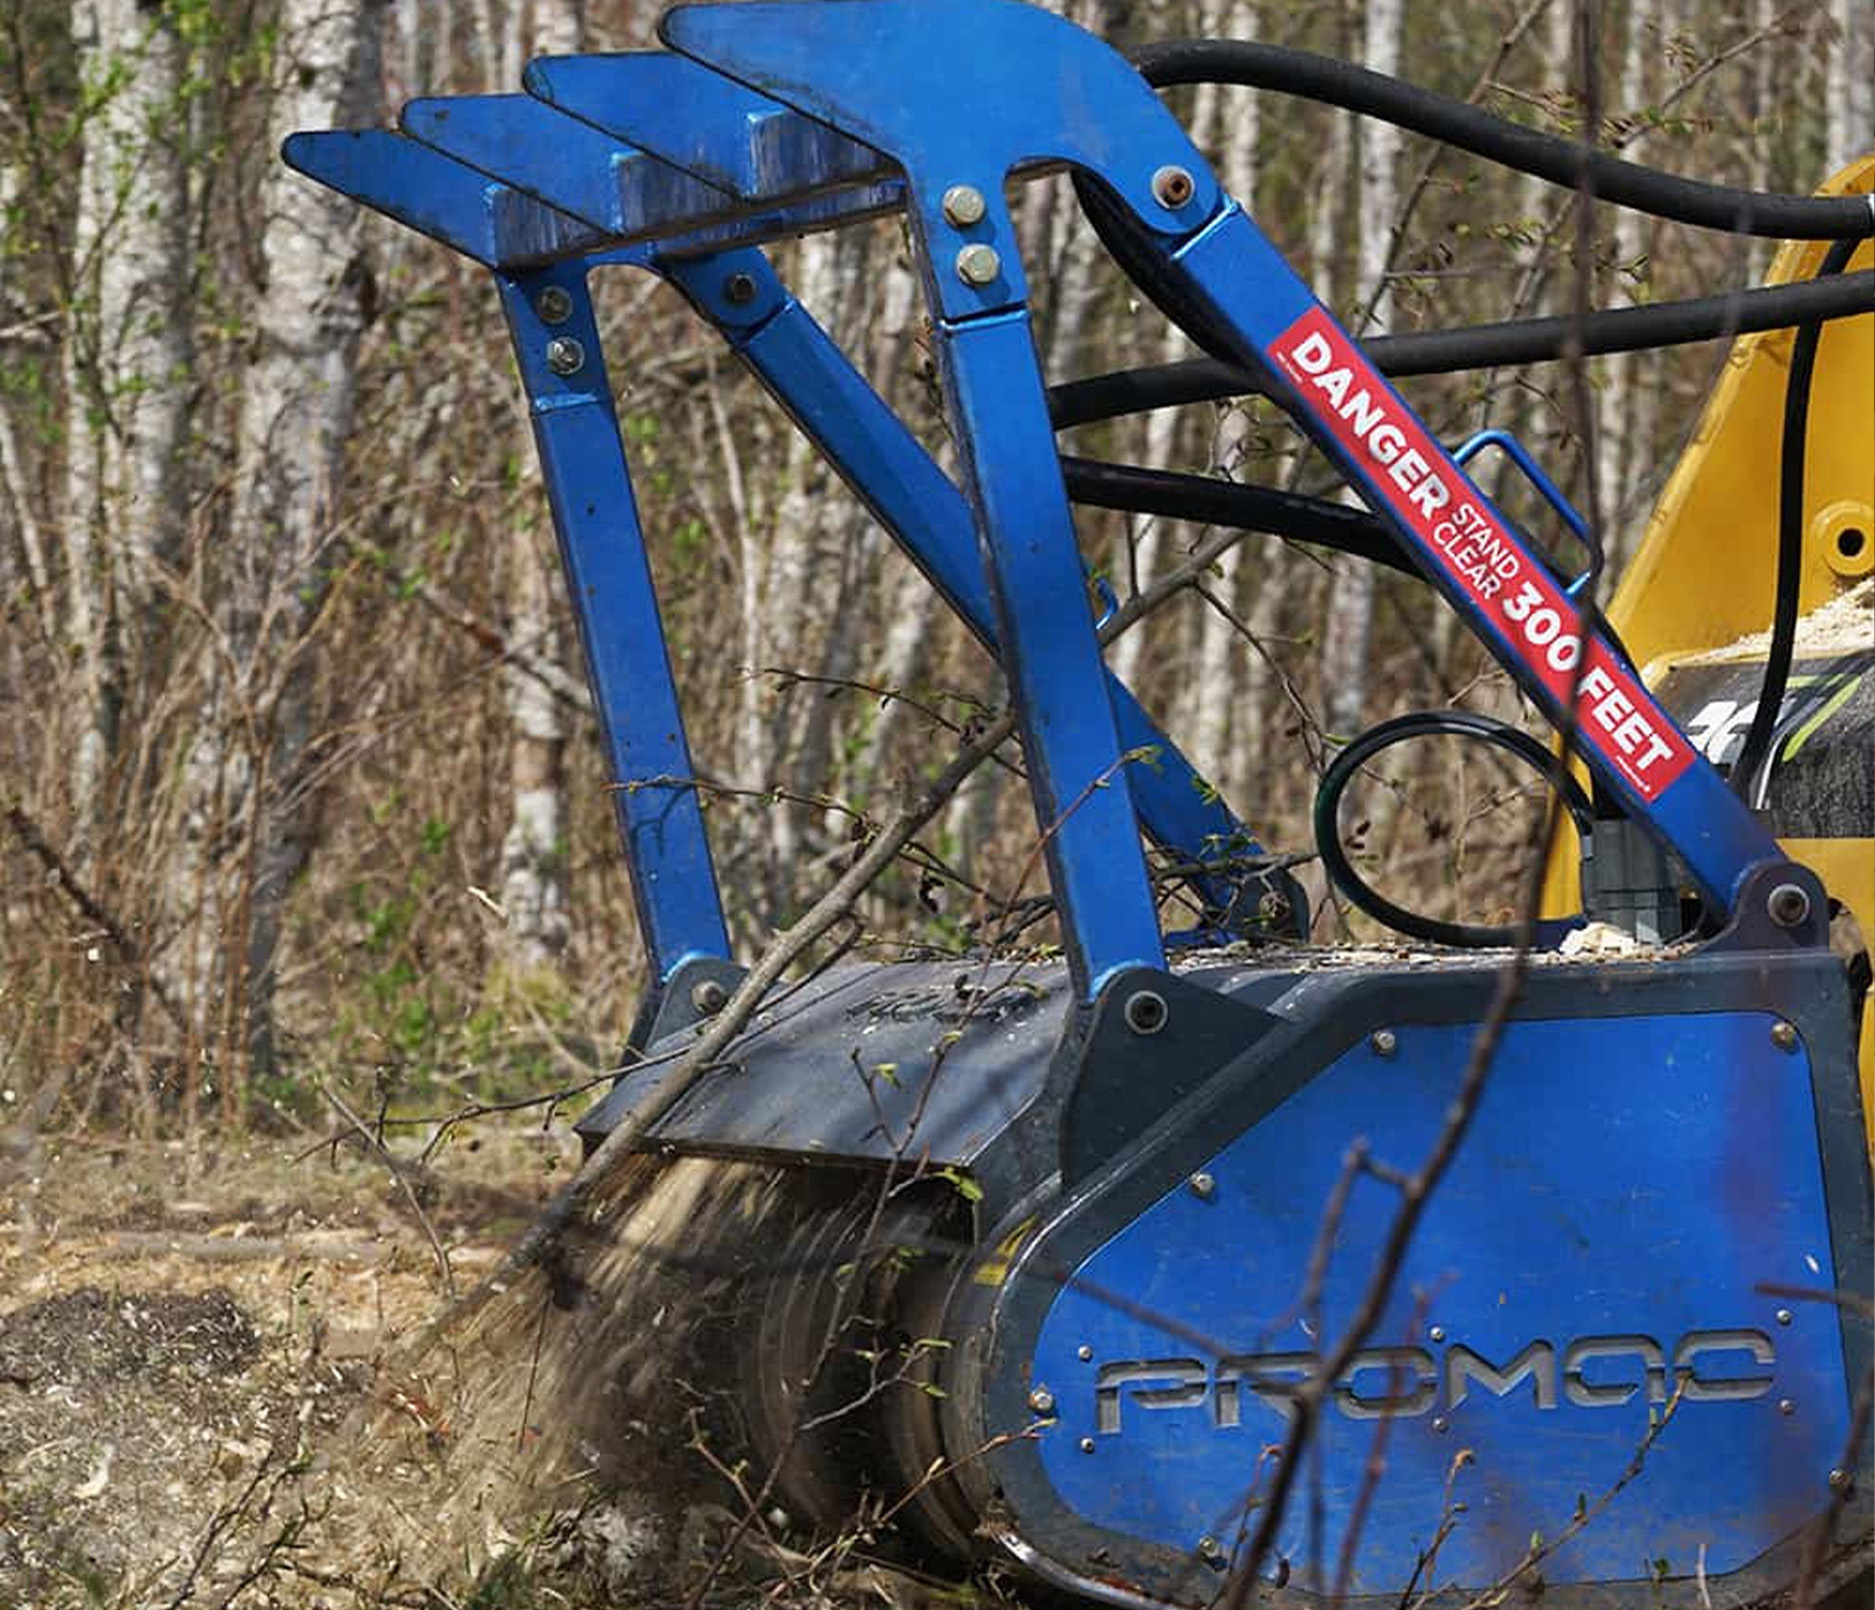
(1591, 1372)
(1617, 716)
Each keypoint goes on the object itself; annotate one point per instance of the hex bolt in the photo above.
(708, 996)
(963, 206)
(565, 356)
(1786, 1407)
(1145, 1011)
(1042, 1401)
(1172, 186)
(1437, 1333)
(1384, 1041)
(1209, 1547)
(1783, 1316)
(978, 264)
(1788, 905)
(739, 289)
(554, 305)
(1784, 1036)
(1203, 1186)
(1087, 1445)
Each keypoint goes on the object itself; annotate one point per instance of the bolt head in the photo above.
(1172, 186)
(739, 289)
(554, 305)
(1209, 1547)
(1784, 1036)
(1087, 1445)
(1437, 1333)
(1203, 1185)
(1145, 1011)
(1840, 1481)
(1788, 905)
(979, 265)
(1084, 1353)
(1042, 1401)
(1441, 1424)
(1384, 1042)
(1786, 1406)
(1273, 907)
(565, 356)
(1783, 1316)
(708, 996)
(963, 206)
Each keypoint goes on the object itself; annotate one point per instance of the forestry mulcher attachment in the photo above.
(1211, 1267)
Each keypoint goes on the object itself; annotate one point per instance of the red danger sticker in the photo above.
(1455, 527)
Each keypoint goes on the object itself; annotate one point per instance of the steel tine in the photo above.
(467, 211)
(725, 134)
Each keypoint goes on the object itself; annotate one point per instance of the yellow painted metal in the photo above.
(1704, 574)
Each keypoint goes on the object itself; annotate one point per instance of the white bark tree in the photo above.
(1851, 83)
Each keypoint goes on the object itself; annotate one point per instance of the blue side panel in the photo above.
(1627, 1185)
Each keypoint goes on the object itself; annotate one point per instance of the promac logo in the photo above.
(1591, 1372)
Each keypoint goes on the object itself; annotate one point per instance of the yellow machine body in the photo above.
(1704, 574)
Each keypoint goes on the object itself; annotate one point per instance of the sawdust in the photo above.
(1845, 625)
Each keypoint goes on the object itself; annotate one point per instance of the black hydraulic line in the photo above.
(1288, 71)
(1482, 346)
(1755, 750)
(1137, 490)
(1401, 729)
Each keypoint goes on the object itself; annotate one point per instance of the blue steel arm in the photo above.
(1021, 87)
(597, 179)
(595, 517)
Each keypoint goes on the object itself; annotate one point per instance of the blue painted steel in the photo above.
(578, 168)
(961, 93)
(1251, 287)
(1077, 770)
(1551, 493)
(1561, 1219)
(468, 212)
(609, 579)
(729, 137)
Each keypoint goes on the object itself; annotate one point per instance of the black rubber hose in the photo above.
(1481, 346)
(1756, 749)
(1289, 71)
(1135, 490)
(1402, 729)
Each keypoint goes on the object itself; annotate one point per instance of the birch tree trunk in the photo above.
(128, 356)
(533, 859)
(296, 413)
(1851, 92)
(1349, 628)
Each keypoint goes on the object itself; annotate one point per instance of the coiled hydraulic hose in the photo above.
(1402, 729)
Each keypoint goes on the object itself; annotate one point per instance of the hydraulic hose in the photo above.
(1756, 749)
(1402, 729)
(1288, 71)
(1482, 346)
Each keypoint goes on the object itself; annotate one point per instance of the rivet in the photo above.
(1172, 186)
(1783, 1036)
(1437, 1333)
(554, 305)
(1203, 1185)
(739, 289)
(1783, 1316)
(1788, 905)
(1145, 1011)
(1042, 1401)
(1087, 1445)
(1440, 1423)
(1785, 1406)
(964, 206)
(1084, 1353)
(565, 356)
(978, 264)
(1384, 1041)
(708, 996)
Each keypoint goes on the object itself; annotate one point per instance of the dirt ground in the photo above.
(208, 1394)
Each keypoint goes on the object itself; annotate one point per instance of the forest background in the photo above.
(298, 771)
